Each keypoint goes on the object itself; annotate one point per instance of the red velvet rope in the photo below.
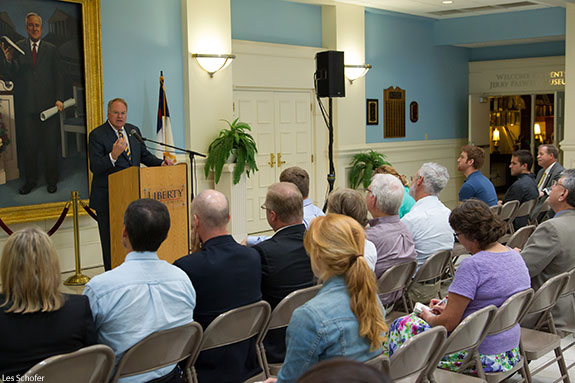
(5, 228)
(60, 220)
(89, 211)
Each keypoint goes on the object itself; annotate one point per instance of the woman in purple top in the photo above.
(491, 275)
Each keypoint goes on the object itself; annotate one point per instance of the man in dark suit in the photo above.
(547, 155)
(225, 275)
(285, 264)
(37, 86)
(113, 148)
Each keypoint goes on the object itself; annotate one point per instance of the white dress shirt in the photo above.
(428, 223)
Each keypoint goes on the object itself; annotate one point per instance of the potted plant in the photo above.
(235, 139)
(362, 168)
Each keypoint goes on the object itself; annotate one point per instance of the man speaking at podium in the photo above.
(113, 146)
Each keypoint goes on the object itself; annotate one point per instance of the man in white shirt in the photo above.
(428, 220)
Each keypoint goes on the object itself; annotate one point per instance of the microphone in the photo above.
(134, 133)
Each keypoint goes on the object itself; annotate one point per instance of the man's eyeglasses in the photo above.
(556, 183)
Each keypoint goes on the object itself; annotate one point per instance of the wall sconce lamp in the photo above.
(213, 63)
(537, 132)
(496, 138)
(353, 72)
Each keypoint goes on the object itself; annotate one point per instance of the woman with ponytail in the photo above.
(491, 275)
(345, 318)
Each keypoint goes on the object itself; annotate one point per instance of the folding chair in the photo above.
(467, 336)
(495, 209)
(411, 361)
(396, 278)
(160, 349)
(235, 326)
(381, 362)
(523, 211)
(508, 315)
(506, 213)
(536, 343)
(281, 315)
(539, 214)
(569, 292)
(520, 237)
(93, 364)
(431, 270)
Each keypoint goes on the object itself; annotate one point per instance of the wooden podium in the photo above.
(167, 184)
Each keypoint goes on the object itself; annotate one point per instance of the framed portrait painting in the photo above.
(50, 99)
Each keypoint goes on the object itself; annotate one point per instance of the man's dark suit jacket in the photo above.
(101, 142)
(285, 268)
(554, 175)
(523, 189)
(28, 339)
(225, 275)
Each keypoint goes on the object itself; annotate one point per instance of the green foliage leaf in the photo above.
(362, 167)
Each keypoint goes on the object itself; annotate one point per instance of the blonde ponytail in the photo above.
(335, 244)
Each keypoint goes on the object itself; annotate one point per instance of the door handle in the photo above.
(272, 159)
(280, 162)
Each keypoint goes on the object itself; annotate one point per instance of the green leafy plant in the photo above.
(4, 139)
(235, 138)
(362, 168)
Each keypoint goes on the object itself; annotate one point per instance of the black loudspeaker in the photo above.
(329, 77)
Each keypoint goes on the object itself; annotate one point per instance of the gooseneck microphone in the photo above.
(135, 133)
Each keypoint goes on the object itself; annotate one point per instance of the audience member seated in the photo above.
(344, 318)
(284, 261)
(524, 188)
(551, 248)
(352, 203)
(300, 178)
(428, 222)
(390, 236)
(144, 294)
(36, 320)
(408, 201)
(491, 275)
(225, 275)
(341, 370)
(547, 158)
(476, 185)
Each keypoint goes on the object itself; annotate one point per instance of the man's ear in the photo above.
(229, 217)
(196, 221)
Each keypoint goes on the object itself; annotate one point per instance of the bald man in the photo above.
(225, 275)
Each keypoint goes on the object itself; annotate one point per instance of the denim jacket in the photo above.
(323, 328)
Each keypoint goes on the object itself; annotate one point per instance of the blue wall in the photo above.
(276, 21)
(546, 22)
(138, 41)
(554, 48)
(402, 52)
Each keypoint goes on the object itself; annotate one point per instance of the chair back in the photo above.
(510, 312)
(380, 362)
(93, 364)
(520, 237)
(495, 209)
(525, 209)
(396, 277)
(433, 267)
(570, 286)
(508, 210)
(413, 358)
(160, 349)
(546, 296)
(281, 315)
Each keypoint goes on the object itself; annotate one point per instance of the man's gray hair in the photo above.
(435, 177)
(212, 208)
(30, 14)
(389, 192)
(569, 185)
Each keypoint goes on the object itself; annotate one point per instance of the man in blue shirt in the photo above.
(476, 184)
(144, 294)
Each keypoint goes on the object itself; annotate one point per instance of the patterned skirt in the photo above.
(406, 327)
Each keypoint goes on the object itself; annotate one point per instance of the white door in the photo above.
(282, 127)
(478, 128)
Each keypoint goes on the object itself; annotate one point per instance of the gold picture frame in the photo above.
(92, 44)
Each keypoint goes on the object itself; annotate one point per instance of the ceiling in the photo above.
(458, 8)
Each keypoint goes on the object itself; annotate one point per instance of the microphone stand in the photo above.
(190, 153)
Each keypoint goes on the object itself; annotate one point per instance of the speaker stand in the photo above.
(331, 174)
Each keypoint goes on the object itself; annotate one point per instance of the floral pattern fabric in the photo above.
(410, 325)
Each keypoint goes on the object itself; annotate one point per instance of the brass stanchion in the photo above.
(78, 279)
